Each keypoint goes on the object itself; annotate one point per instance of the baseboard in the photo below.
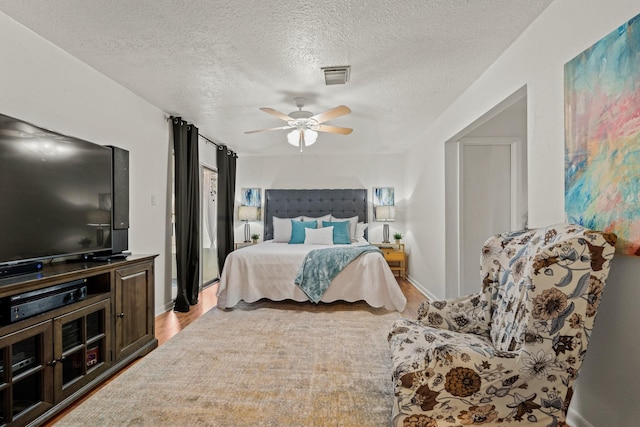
(163, 309)
(422, 289)
(574, 419)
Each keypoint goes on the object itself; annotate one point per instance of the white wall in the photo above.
(608, 386)
(44, 85)
(301, 170)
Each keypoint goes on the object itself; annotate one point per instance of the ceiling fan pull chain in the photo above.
(301, 139)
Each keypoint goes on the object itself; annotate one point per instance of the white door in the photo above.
(487, 203)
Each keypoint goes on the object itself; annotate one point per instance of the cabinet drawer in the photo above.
(392, 255)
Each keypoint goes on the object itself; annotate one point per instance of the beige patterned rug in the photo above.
(262, 364)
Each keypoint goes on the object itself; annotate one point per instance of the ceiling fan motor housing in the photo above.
(300, 114)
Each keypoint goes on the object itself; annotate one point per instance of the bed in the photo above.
(268, 270)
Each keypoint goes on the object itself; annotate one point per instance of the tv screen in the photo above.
(55, 192)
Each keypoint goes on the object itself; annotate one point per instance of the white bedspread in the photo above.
(268, 270)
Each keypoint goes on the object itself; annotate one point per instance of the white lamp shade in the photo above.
(385, 213)
(248, 213)
(310, 137)
(293, 137)
(99, 218)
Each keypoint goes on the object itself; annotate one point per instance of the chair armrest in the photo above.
(470, 313)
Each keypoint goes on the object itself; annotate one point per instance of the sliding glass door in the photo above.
(209, 257)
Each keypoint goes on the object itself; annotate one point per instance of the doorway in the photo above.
(486, 190)
(487, 200)
(209, 258)
(209, 271)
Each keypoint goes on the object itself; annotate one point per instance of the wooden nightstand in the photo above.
(395, 256)
(239, 245)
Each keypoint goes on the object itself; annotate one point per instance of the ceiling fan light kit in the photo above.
(305, 125)
(309, 137)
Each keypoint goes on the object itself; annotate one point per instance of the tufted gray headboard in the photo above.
(343, 203)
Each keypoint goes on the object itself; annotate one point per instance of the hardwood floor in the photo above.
(414, 298)
(170, 323)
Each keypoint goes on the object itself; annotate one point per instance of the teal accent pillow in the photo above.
(297, 230)
(341, 234)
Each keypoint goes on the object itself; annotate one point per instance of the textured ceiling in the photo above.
(216, 62)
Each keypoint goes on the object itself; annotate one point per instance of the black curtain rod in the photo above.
(220, 147)
(208, 140)
(199, 134)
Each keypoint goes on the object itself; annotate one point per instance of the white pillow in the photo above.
(318, 236)
(360, 227)
(353, 221)
(319, 219)
(282, 229)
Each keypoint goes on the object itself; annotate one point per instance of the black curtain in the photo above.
(226, 160)
(187, 211)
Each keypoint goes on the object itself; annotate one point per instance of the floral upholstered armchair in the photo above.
(510, 354)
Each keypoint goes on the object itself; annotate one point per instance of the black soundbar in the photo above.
(110, 257)
(22, 268)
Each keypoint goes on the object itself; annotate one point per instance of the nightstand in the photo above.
(395, 256)
(239, 245)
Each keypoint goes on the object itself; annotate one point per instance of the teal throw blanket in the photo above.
(320, 266)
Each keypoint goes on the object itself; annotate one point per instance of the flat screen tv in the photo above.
(55, 194)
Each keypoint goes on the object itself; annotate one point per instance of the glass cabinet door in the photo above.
(82, 347)
(25, 380)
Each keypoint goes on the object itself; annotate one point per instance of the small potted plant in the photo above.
(255, 238)
(398, 237)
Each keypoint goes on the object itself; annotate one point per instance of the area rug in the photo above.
(262, 364)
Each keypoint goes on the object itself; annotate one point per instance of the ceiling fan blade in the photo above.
(278, 114)
(334, 129)
(264, 130)
(338, 111)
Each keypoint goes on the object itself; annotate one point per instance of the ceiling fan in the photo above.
(305, 125)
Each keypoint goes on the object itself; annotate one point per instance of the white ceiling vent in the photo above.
(336, 75)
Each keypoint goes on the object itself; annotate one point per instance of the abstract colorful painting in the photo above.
(602, 136)
(250, 197)
(383, 196)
